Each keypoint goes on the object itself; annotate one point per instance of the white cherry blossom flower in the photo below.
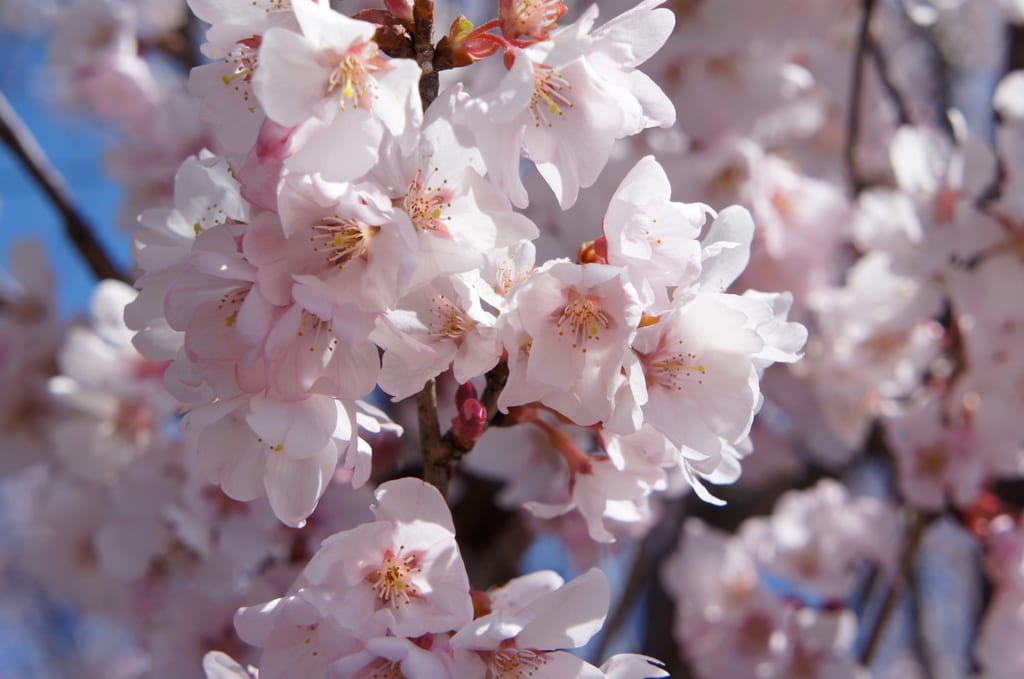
(564, 102)
(333, 83)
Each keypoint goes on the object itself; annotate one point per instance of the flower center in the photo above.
(425, 204)
(273, 6)
(549, 95)
(341, 240)
(381, 668)
(392, 581)
(352, 74)
(672, 369)
(451, 319)
(584, 319)
(317, 332)
(515, 663)
(530, 17)
(229, 303)
(245, 58)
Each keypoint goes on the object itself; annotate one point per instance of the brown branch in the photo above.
(430, 436)
(423, 46)
(857, 181)
(916, 526)
(441, 454)
(19, 139)
(881, 63)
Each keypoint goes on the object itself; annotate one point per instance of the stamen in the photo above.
(672, 370)
(425, 204)
(549, 92)
(352, 73)
(392, 581)
(341, 240)
(515, 663)
(452, 321)
(585, 319)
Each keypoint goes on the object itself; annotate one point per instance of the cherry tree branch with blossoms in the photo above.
(606, 262)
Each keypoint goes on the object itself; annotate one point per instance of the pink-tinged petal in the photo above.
(727, 248)
(317, 142)
(632, 666)
(290, 81)
(512, 96)
(295, 429)
(227, 104)
(351, 371)
(296, 639)
(407, 500)
(636, 34)
(645, 184)
(219, 665)
(346, 558)
(569, 616)
(256, 316)
(562, 665)
(255, 624)
(657, 109)
(488, 632)
(326, 28)
(294, 486)
(519, 592)
(400, 109)
(230, 456)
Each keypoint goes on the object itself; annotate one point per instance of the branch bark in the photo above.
(423, 46)
(857, 181)
(441, 454)
(917, 525)
(19, 139)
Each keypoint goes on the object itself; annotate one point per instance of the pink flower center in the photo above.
(244, 57)
(381, 668)
(341, 240)
(549, 95)
(514, 663)
(672, 369)
(230, 302)
(352, 74)
(425, 204)
(529, 17)
(273, 6)
(451, 320)
(317, 332)
(392, 580)
(583, 318)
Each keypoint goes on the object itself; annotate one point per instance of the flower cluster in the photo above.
(506, 225)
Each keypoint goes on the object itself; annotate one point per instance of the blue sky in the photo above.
(75, 146)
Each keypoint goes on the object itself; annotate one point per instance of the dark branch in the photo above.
(915, 530)
(857, 181)
(423, 46)
(881, 63)
(441, 454)
(18, 138)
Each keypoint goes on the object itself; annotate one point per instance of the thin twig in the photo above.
(423, 46)
(915, 530)
(857, 182)
(430, 436)
(441, 454)
(881, 63)
(19, 139)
